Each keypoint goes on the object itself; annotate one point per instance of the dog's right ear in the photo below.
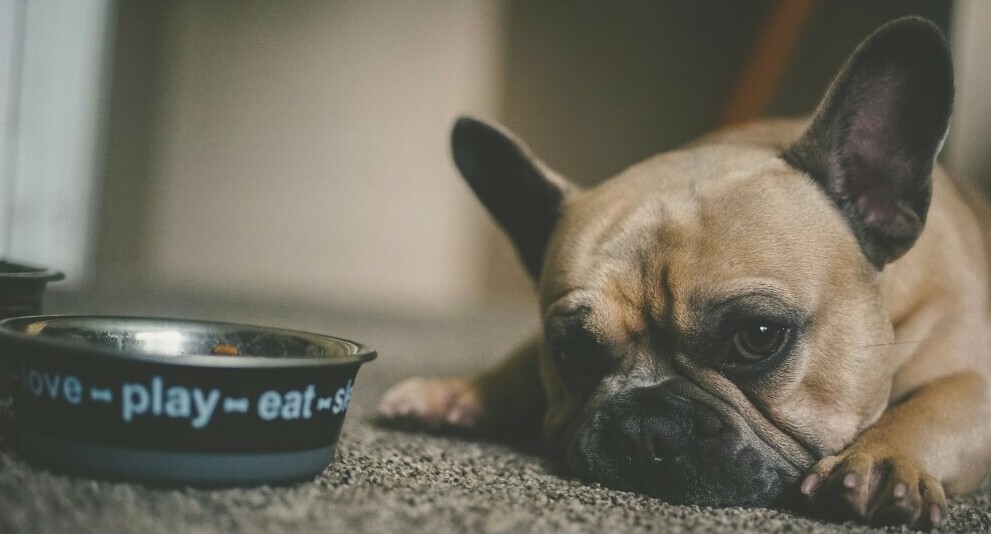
(873, 141)
(523, 195)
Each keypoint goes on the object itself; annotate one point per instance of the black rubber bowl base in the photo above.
(173, 468)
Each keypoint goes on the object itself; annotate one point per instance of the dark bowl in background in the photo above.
(176, 401)
(22, 287)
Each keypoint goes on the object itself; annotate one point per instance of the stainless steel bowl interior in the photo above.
(157, 338)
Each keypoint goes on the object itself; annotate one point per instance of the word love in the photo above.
(53, 386)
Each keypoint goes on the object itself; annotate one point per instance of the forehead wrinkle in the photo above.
(634, 294)
(725, 291)
(677, 271)
(663, 246)
(617, 314)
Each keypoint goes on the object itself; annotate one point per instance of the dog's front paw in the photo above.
(877, 488)
(432, 404)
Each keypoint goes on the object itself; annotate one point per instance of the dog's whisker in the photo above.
(892, 343)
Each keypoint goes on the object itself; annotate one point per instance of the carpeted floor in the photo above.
(384, 480)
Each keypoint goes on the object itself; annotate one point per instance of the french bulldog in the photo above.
(793, 309)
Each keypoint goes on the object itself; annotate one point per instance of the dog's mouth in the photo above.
(661, 442)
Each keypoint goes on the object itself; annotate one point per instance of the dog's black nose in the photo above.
(653, 425)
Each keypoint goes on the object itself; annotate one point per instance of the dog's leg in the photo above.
(896, 470)
(506, 397)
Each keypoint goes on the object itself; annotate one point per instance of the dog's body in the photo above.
(759, 315)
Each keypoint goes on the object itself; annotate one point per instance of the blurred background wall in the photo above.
(296, 152)
(54, 67)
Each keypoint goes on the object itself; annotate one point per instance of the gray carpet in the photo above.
(384, 480)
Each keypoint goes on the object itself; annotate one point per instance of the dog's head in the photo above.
(713, 317)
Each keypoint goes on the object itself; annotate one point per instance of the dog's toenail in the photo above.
(810, 484)
(900, 490)
(851, 480)
(935, 514)
(454, 417)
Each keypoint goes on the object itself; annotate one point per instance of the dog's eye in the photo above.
(759, 340)
(580, 356)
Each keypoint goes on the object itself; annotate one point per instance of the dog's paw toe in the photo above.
(877, 489)
(431, 404)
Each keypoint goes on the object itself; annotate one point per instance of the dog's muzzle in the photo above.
(671, 441)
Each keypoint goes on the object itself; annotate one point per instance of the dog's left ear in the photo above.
(874, 138)
(521, 193)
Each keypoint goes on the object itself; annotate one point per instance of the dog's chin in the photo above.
(730, 468)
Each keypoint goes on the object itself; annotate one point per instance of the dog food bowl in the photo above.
(178, 402)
